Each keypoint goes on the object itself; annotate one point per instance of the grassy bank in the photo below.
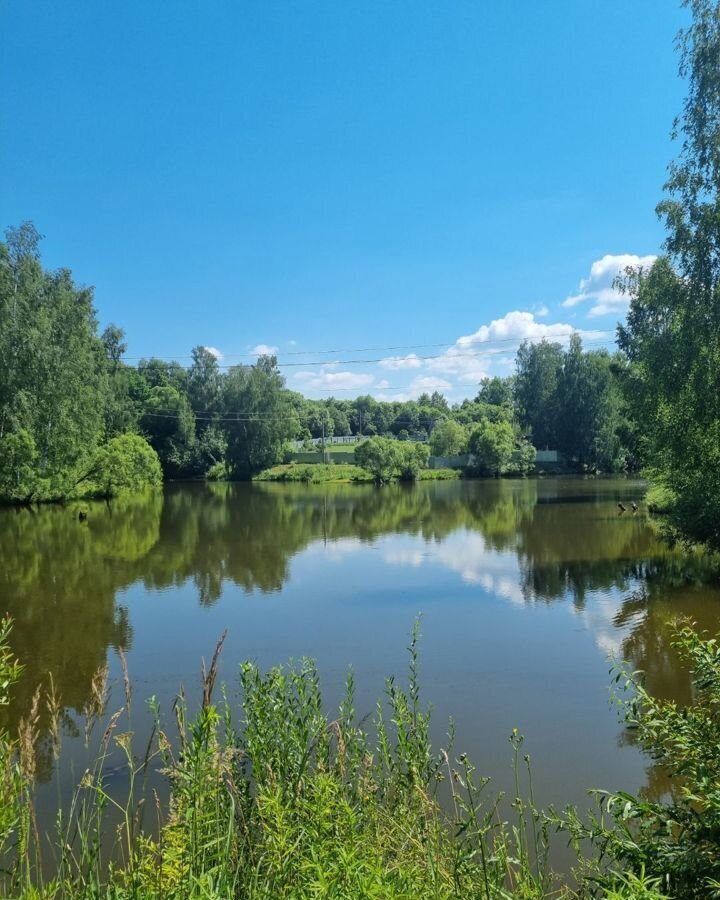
(288, 802)
(319, 473)
(315, 473)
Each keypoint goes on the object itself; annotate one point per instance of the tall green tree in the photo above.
(258, 417)
(169, 424)
(536, 390)
(53, 380)
(589, 409)
(672, 333)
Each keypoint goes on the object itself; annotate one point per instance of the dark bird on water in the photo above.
(634, 506)
(82, 516)
(622, 507)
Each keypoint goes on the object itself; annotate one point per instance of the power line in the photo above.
(419, 358)
(260, 417)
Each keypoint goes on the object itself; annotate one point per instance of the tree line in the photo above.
(74, 417)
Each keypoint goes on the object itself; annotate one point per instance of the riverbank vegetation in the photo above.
(672, 334)
(289, 802)
(78, 420)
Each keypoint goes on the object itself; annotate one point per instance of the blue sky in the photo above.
(311, 176)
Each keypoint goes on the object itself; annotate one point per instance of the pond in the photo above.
(526, 590)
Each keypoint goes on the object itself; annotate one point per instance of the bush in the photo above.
(380, 457)
(676, 842)
(218, 472)
(385, 458)
(522, 460)
(411, 459)
(660, 499)
(492, 444)
(127, 463)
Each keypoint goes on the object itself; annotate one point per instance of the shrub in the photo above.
(492, 444)
(127, 463)
(676, 842)
(411, 459)
(522, 460)
(218, 472)
(380, 457)
(385, 458)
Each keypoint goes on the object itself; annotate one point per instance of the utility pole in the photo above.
(323, 436)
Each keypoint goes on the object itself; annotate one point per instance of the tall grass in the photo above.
(287, 802)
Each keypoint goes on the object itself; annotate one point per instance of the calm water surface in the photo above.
(526, 588)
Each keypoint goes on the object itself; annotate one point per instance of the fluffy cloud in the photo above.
(333, 380)
(427, 383)
(264, 350)
(471, 356)
(411, 361)
(214, 351)
(598, 286)
(514, 328)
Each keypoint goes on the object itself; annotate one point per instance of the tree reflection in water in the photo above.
(62, 581)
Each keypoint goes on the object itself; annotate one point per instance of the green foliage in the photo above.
(53, 378)
(448, 438)
(70, 391)
(676, 842)
(386, 458)
(572, 401)
(264, 419)
(492, 444)
(18, 465)
(169, 424)
(412, 459)
(380, 457)
(287, 803)
(217, 472)
(440, 474)
(672, 334)
(127, 463)
(536, 390)
(497, 391)
(660, 499)
(522, 460)
(314, 473)
(290, 802)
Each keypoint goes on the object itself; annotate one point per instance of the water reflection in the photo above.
(525, 542)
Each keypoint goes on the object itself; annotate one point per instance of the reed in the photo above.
(287, 802)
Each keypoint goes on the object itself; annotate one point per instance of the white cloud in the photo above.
(513, 328)
(467, 554)
(411, 361)
(471, 356)
(292, 343)
(424, 383)
(598, 286)
(214, 351)
(542, 311)
(264, 350)
(334, 380)
(383, 384)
